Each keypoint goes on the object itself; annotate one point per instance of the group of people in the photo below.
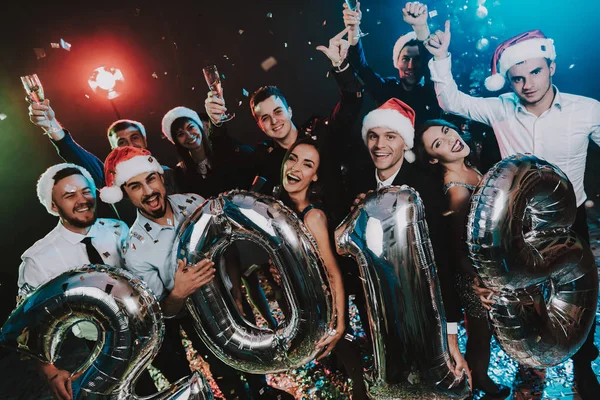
(408, 143)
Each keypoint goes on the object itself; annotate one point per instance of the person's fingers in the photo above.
(341, 34)
(447, 27)
(69, 387)
(203, 264)
(60, 386)
(470, 378)
(324, 50)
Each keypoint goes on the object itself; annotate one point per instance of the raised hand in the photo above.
(215, 107)
(338, 48)
(352, 22)
(437, 43)
(415, 13)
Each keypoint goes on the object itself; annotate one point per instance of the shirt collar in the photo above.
(153, 228)
(74, 237)
(388, 182)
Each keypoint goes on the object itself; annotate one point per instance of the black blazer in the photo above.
(431, 192)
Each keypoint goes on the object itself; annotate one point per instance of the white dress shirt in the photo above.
(61, 250)
(560, 135)
(149, 249)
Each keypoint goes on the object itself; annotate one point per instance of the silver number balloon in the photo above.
(522, 246)
(240, 215)
(130, 330)
(387, 234)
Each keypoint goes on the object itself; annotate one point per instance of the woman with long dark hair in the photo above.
(439, 145)
(303, 183)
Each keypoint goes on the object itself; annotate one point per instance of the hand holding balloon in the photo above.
(59, 381)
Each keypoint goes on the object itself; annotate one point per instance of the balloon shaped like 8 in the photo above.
(522, 247)
(387, 234)
(129, 324)
(241, 215)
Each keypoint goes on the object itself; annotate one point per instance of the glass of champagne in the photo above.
(33, 87)
(213, 79)
(352, 6)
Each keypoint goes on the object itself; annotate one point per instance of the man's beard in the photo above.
(158, 213)
(76, 222)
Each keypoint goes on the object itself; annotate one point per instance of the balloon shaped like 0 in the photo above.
(387, 234)
(130, 331)
(522, 246)
(240, 215)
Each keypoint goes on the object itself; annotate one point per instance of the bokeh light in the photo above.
(107, 82)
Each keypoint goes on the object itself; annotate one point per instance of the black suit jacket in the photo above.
(432, 195)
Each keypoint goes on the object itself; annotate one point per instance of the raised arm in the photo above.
(43, 115)
(484, 110)
(316, 222)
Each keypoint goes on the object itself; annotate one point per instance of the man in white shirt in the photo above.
(68, 191)
(148, 254)
(535, 118)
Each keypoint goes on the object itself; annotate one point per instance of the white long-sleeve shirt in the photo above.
(560, 135)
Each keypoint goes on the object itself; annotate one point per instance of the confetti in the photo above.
(155, 75)
(268, 63)
(241, 31)
(55, 45)
(324, 22)
(39, 52)
(433, 13)
(65, 45)
(285, 44)
(245, 92)
(165, 72)
(225, 56)
(193, 88)
(2, 117)
(86, 96)
(269, 15)
(309, 42)
(240, 103)
(137, 12)
(378, 22)
(571, 66)
(589, 204)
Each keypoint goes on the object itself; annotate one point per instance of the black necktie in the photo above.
(92, 253)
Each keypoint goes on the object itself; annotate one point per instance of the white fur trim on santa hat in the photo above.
(400, 43)
(113, 140)
(46, 183)
(173, 114)
(124, 171)
(391, 119)
(517, 53)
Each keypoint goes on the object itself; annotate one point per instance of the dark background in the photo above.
(176, 38)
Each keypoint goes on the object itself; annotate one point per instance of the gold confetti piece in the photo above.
(39, 52)
(55, 45)
(241, 31)
(2, 116)
(155, 75)
(65, 45)
(433, 13)
(87, 96)
(268, 63)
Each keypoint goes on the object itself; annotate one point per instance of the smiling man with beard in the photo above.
(136, 174)
(68, 192)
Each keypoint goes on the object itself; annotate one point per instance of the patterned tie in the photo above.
(92, 253)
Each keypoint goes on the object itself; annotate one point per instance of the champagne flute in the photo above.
(213, 79)
(33, 87)
(352, 6)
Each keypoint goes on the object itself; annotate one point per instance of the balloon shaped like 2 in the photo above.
(240, 215)
(387, 234)
(129, 322)
(522, 246)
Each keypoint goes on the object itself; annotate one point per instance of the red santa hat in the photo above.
(400, 43)
(528, 45)
(397, 116)
(175, 113)
(46, 183)
(110, 130)
(122, 164)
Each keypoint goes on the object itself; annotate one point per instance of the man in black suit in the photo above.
(388, 132)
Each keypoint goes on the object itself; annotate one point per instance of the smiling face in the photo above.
(74, 201)
(409, 65)
(531, 80)
(444, 145)
(386, 148)
(148, 194)
(188, 135)
(274, 118)
(300, 168)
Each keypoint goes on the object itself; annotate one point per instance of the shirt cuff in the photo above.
(440, 70)
(452, 328)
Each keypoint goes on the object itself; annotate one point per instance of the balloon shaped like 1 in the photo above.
(240, 215)
(130, 331)
(522, 246)
(387, 234)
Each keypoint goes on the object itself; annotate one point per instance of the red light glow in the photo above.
(106, 82)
